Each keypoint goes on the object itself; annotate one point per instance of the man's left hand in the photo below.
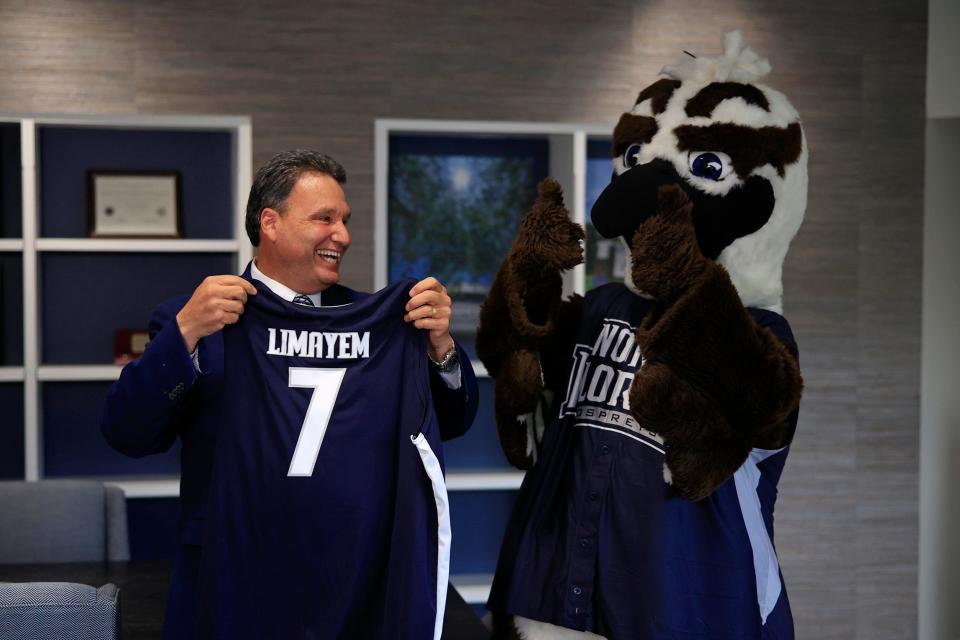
(430, 309)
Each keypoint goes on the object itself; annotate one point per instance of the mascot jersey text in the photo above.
(655, 416)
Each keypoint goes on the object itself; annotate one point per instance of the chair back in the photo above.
(62, 521)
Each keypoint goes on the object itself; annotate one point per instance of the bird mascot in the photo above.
(654, 416)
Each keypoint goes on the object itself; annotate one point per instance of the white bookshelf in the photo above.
(484, 480)
(567, 163)
(69, 373)
(100, 245)
(462, 480)
(11, 374)
(31, 245)
(474, 588)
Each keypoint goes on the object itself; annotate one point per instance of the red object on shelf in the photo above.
(128, 345)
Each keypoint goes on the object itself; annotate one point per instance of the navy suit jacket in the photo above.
(161, 397)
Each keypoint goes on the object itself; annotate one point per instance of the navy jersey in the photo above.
(598, 541)
(327, 515)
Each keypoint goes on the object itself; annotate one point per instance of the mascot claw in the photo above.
(548, 240)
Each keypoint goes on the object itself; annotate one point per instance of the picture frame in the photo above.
(134, 204)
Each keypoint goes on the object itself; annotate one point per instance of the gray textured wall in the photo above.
(317, 76)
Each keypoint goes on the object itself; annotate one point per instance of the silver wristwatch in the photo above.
(449, 361)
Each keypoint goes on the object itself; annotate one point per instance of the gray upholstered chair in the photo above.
(62, 610)
(62, 521)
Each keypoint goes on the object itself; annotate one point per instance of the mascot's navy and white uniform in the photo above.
(655, 416)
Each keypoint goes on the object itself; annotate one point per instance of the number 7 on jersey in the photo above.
(326, 385)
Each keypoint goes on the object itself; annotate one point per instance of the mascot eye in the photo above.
(631, 156)
(710, 165)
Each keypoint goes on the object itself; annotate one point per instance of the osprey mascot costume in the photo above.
(654, 416)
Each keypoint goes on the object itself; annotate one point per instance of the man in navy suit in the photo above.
(297, 216)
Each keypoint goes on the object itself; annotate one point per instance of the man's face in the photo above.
(303, 246)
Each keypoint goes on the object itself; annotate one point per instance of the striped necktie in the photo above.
(304, 300)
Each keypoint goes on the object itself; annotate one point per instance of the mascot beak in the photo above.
(631, 198)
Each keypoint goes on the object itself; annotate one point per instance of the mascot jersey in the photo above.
(598, 541)
(328, 513)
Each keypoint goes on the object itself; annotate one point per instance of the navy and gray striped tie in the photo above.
(304, 300)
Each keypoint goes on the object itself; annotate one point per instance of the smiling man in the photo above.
(297, 216)
(304, 243)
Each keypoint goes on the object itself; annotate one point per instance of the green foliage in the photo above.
(458, 235)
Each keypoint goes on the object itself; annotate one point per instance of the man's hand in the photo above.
(217, 302)
(430, 309)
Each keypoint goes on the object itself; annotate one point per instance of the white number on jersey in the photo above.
(326, 385)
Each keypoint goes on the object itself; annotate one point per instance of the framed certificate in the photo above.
(140, 204)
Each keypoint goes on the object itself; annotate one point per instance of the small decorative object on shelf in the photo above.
(134, 204)
(128, 345)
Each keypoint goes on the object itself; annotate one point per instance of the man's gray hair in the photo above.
(275, 180)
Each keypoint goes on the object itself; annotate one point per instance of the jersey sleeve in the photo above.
(147, 403)
(777, 325)
(780, 328)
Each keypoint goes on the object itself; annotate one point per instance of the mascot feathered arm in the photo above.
(525, 325)
(713, 383)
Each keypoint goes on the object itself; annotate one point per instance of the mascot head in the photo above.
(736, 148)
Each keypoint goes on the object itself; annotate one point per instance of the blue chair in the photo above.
(62, 610)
